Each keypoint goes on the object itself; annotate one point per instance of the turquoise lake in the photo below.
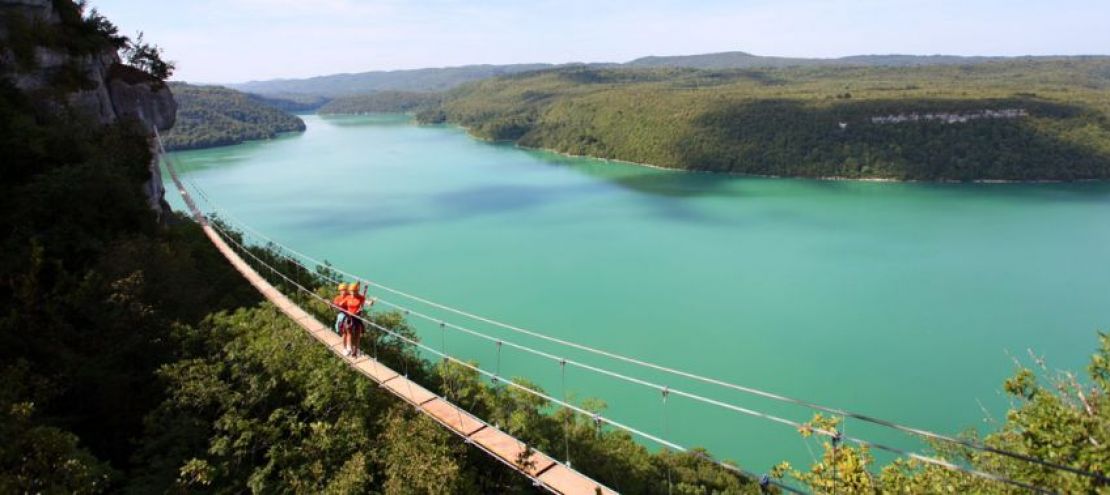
(906, 301)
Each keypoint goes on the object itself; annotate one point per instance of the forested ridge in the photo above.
(434, 79)
(809, 121)
(421, 80)
(381, 101)
(210, 116)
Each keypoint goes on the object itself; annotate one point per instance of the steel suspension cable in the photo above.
(829, 433)
(542, 395)
(798, 425)
(712, 381)
(835, 436)
(663, 442)
(602, 371)
(924, 433)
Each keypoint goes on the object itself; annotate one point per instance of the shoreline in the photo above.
(824, 178)
(830, 178)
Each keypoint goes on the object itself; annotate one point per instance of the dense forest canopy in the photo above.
(812, 121)
(214, 116)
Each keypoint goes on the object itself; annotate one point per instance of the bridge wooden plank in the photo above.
(537, 465)
(379, 372)
(568, 481)
(328, 338)
(314, 326)
(510, 449)
(410, 391)
(453, 417)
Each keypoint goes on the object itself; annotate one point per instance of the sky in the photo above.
(229, 41)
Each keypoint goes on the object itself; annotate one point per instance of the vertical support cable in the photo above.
(374, 343)
(567, 417)
(835, 441)
(666, 433)
(446, 380)
(443, 362)
(497, 379)
(498, 374)
(405, 361)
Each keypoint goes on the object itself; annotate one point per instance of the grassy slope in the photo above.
(785, 121)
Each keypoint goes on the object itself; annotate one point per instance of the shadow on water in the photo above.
(482, 201)
(450, 206)
(654, 181)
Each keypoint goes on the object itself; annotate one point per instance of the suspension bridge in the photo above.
(543, 469)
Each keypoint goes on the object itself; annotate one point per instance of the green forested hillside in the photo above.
(811, 122)
(213, 116)
(381, 101)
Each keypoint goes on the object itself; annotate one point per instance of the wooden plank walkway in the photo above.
(542, 469)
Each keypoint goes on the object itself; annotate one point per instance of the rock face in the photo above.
(111, 91)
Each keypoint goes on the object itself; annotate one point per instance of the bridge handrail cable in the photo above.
(597, 417)
(761, 393)
(923, 458)
(732, 407)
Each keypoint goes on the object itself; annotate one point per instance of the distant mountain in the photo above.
(210, 116)
(442, 79)
(381, 101)
(723, 60)
(419, 80)
(292, 102)
(743, 60)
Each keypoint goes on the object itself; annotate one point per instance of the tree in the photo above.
(148, 58)
(1054, 417)
(35, 458)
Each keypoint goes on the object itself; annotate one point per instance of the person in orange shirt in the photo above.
(353, 305)
(338, 303)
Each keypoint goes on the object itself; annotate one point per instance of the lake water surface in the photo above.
(903, 301)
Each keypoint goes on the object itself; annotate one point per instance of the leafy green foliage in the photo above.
(35, 458)
(90, 283)
(381, 101)
(1055, 417)
(214, 116)
(148, 57)
(812, 122)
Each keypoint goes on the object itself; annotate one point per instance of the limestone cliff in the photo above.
(107, 90)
